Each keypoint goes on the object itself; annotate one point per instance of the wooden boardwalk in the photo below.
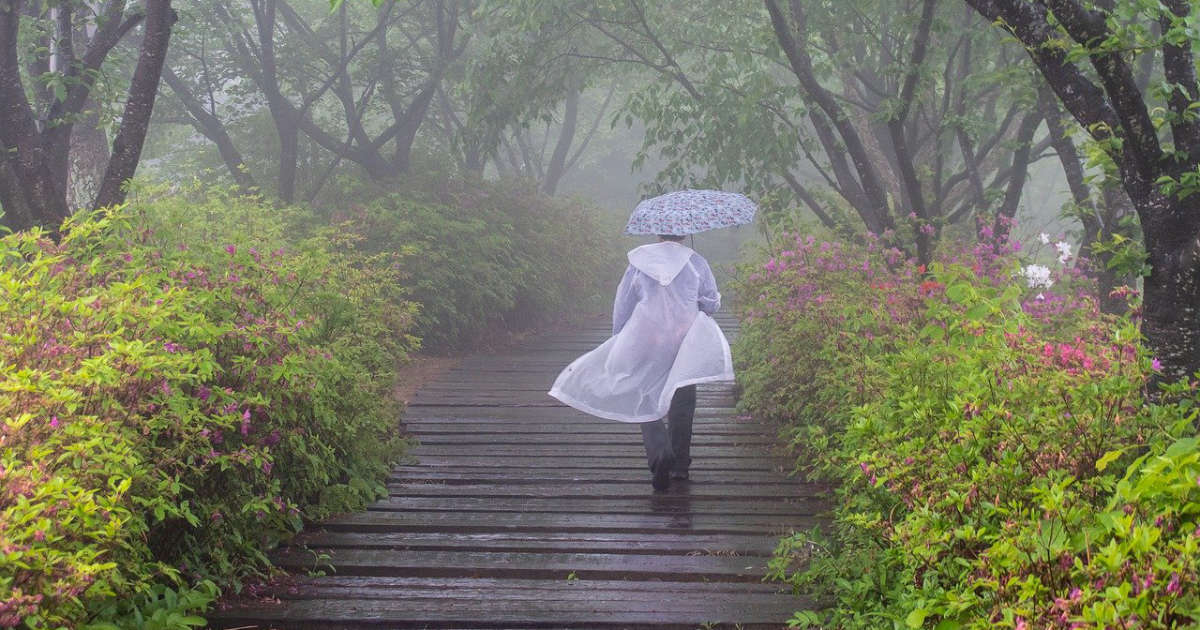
(522, 513)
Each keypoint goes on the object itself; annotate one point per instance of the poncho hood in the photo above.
(661, 261)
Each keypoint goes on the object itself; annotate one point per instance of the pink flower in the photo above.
(39, 535)
(53, 422)
(231, 249)
(1156, 365)
(1173, 585)
(1021, 625)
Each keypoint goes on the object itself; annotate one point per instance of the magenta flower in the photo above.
(231, 249)
(53, 422)
(1156, 365)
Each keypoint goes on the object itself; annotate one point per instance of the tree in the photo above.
(61, 72)
(1090, 54)
(867, 100)
(358, 83)
(523, 100)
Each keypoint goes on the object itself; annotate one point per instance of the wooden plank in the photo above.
(476, 522)
(501, 413)
(639, 475)
(603, 505)
(497, 438)
(551, 450)
(323, 614)
(538, 542)
(490, 429)
(521, 565)
(522, 589)
(596, 463)
(605, 489)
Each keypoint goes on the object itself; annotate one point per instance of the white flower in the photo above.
(1037, 277)
(1040, 296)
(1044, 238)
(1064, 252)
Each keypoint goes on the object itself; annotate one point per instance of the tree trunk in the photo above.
(566, 136)
(88, 157)
(143, 88)
(1116, 206)
(17, 213)
(1016, 182)
(212, 128)
(289, 155)
(1170, 321)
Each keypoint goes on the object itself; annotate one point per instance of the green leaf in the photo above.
(1107, 459)
(916, 618)
(933, 332)
(959, 293)
(978, 312)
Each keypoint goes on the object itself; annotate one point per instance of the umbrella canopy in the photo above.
(690, 211)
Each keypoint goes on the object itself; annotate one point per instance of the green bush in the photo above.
(997, 462)
(182, 383)
(488, 258)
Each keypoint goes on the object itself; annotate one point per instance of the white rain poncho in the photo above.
(663, 338)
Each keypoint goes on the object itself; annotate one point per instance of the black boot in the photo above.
(662, 473)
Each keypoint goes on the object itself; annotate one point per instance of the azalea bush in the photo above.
(996, 460)
(488, 259)
(183, 382)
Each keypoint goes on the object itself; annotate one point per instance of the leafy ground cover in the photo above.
(1002, 456)
(186, 380)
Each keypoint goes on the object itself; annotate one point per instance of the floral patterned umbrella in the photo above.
(690, 211)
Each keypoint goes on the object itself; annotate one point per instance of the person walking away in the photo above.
(664, 343)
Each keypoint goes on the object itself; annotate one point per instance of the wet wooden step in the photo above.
(540, 542)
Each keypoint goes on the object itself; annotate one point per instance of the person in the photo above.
(664, 342)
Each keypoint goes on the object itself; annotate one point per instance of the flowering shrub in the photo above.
(996, 460)
(182, 383)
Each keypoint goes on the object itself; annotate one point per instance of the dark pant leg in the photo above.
(679, 424)
(656, 441)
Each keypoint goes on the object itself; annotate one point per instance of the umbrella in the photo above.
(690, 211)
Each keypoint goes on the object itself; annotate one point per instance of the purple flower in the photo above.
(231, 249)
(171, 347)
(203, 392)
(1155, 364)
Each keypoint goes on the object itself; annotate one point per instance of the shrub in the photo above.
(484, 258)
(178, 394)
(996, 460)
